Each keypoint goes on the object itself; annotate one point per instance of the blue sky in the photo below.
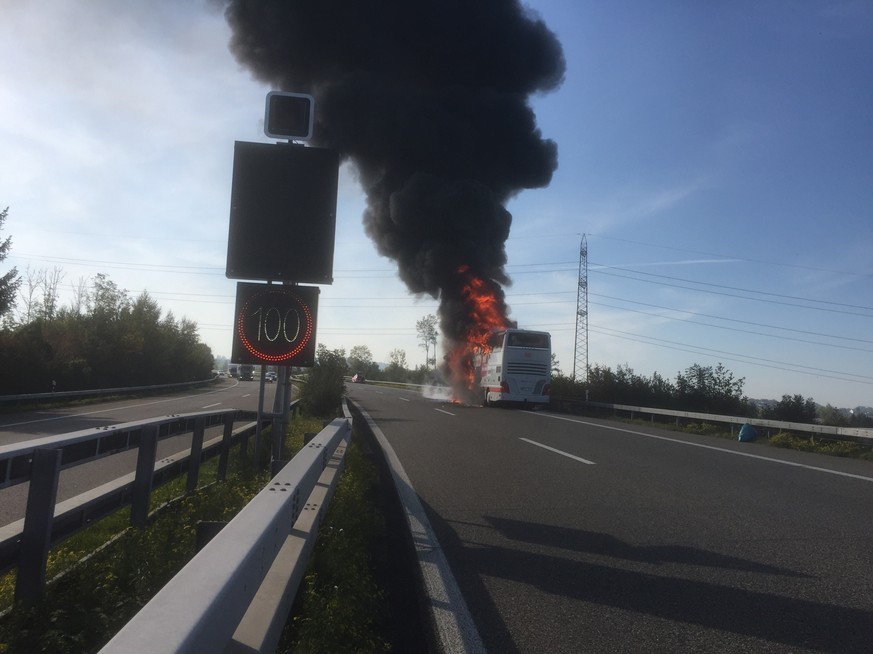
(717, 156)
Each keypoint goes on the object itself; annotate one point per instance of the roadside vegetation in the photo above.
(701, 389)
(104, 340)
(104, 574)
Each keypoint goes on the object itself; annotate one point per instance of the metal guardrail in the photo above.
(25, 543)
(26, 398)
(558, 403)
(236, 593)
(825, 430)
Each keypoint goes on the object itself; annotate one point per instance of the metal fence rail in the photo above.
(236, 593)
(25, 543)
(823, 430)
(569, 404)
(60, 396)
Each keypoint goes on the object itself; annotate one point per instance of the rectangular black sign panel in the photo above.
(275, 324)
(282, 213)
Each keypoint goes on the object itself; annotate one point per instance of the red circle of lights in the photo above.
(261, 306)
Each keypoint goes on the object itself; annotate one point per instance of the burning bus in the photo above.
(516, 367)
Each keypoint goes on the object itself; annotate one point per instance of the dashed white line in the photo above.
(561, 452)
(446, 412)
(405, 399)
(710, 447)
(209, 406)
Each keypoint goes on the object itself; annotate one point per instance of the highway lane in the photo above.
(24, 426)
(229, 393)
(571, 534)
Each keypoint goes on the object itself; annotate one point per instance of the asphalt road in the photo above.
(229, 393)
(579, 535)
(24, 426)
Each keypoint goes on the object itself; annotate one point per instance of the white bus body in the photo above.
(518, 367)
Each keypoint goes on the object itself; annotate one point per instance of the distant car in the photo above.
(270, 377)
(358, 378)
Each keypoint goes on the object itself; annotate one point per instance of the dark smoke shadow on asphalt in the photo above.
(776, 619)
(601, 544)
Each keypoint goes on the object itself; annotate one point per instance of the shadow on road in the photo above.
(607, 545)
(775, 618)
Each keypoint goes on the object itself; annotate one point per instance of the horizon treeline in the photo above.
(701, 389)
(104, 339)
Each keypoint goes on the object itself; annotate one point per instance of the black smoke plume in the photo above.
(429, 98)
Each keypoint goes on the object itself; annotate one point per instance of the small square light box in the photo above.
(289, 116)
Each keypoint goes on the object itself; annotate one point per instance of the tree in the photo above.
(793, 408)
(427, 335)
(711, 390)
(360, 359)
(398, 358)
(831, 415)
(396, 370)
(556, 368)
(9, 281)
(39, 298)
(49, 282)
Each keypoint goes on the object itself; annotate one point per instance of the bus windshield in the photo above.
(537, 340)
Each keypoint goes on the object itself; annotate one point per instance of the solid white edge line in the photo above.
(707, 447)
(552, 449)
(454, 626)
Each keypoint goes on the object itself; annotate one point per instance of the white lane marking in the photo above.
(405, 399)
(562, 453)
(446, 412)
(209, 406)
(247, 395)
(708, 447)
(455, 630)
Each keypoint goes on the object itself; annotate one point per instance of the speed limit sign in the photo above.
(275, 324)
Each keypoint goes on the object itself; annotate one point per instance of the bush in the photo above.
(323, 391)
(790, 441)
(703, 428)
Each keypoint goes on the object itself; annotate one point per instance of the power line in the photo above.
(743, 358)
(742, 297)
(738, 258)
(735, 288)
(737, 320)
(735, 329)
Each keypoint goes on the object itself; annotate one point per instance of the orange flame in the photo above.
(486, 315)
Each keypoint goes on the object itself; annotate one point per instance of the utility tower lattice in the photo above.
(580, 358)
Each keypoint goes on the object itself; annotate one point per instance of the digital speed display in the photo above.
(275, 324)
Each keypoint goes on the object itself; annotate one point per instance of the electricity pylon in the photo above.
(580, 357)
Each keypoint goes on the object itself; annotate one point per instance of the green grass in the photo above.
(833, 448)
(94, 597)
(805, 443)
(341, 607)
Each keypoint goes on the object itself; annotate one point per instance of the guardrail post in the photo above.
(37, 532)
(196, 454)
(145, 470)
(225, 446)
(276, 444)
